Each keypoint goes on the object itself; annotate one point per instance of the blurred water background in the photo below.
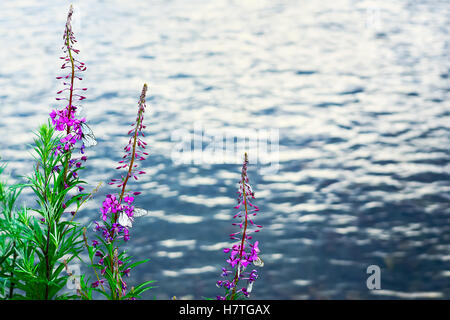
(359, 91)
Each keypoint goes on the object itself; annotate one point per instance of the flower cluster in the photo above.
(122, 204)
(65, 120)
(243, 253)
(111, 208)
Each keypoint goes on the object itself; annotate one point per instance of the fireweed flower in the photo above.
(111, 226)
(244, 252)
(65, 120)
(134, 151)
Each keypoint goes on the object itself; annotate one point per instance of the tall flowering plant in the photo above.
(35, 249)
(65, 120)
(244, 252)
(111, 264)
(50, 239)
(74, 132)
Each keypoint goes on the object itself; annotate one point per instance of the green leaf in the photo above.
(133, 265)
(143, 287)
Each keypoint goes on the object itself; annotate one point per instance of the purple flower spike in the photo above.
(118, 211)
(65, 119)
(244, 252)
(135, 146)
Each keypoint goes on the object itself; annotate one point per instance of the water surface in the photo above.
(357, 89)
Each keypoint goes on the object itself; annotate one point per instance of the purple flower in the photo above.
(110, 205)
(65, 119)
(254, 252)
(126, 235)
(126, 272)
(244, 252)
(97, 283)
(117, 210)
(128, 199)
(134, 150)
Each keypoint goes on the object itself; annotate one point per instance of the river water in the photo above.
(357, 91)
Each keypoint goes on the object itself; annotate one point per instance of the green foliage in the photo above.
(37, 243)
(112, 288)
(10, 230)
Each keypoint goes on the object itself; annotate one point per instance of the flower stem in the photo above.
(236, 276)
(70, 98)
(131, 161)
(135, 135)
(47, 263)
(11, 284)
(92, 262)
(71, 79)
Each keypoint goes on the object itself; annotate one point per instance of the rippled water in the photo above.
(359, 91)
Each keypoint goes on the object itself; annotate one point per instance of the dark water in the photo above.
(359, 91)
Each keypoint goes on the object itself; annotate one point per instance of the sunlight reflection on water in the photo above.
(359, 93)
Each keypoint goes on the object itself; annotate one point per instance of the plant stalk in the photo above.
(236, 276)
